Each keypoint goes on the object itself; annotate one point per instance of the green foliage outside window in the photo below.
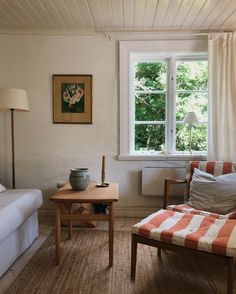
(199, 134)
(151, 101)
(149, 137)
(150, 107)
(150, 76)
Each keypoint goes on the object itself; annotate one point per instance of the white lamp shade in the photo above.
(191, 118)
(13, 99)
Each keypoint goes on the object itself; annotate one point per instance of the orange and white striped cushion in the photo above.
(192, 231)
(185, 208)
(215, 168)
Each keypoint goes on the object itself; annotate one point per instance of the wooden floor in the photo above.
(46, 225)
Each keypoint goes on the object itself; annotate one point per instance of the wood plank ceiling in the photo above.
(118, 15)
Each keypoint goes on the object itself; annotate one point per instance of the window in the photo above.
(162, 89)
(164, 92)
(191, 95)
(150, 95)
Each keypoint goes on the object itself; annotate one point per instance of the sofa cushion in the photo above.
(2, 188)
(15, 207)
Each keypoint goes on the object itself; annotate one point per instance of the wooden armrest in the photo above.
(169, 182)
(172, 181)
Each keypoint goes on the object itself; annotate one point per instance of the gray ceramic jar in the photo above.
(79, 178)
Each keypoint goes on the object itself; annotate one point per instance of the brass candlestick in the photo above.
(103, 184)
(103, 177)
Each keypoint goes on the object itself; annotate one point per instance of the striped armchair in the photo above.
(215, 168)
(186, 230)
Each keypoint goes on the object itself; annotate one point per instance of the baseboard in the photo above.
(120, 211)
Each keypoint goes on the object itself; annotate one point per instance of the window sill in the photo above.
(162, 157)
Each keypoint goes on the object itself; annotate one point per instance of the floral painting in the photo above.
(72, 99)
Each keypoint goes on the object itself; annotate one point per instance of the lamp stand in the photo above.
(14, 100)
(190, 139)
(13, 148)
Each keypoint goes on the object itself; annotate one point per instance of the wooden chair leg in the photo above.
(230, 280)
(133, 256)
(159, 252)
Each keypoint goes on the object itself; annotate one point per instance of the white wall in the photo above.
(45, 152)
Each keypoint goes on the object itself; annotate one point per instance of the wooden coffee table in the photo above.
(92, 194)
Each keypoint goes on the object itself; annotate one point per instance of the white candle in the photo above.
(103, 169)
(103, 163)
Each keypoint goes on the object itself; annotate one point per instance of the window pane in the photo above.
(150, 107)
(150, 76)
(149, 137)
(191, 75)
(186, 102)
(199, 137)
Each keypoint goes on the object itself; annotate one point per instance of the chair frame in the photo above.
(168, 183)
(228, 260)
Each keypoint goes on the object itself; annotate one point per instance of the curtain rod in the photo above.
(152, 34)
(164, 32)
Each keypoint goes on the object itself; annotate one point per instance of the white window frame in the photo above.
(130, 51)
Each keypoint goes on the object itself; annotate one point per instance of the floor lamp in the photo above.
(190, 119)
(13, 100)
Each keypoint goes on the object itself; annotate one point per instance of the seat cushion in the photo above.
(15, 207)
(189, 209)
(197, 232)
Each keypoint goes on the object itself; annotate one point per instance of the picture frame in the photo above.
(72, 99)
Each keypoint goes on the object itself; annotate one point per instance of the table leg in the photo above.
(58, 232)
(70, 221)
(111, 233)
(133, 256)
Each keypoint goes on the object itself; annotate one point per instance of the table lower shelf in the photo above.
(90, 217)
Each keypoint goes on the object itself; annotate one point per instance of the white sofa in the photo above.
(18, 223)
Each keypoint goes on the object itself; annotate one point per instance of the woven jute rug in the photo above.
(84, 269)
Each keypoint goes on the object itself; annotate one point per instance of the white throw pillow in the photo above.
(214, 194)
(2, 188)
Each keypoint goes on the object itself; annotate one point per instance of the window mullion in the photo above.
(168, 95)
(173, 139)
(170, 106)
(149, 122)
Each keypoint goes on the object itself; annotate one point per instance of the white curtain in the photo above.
(222, 97)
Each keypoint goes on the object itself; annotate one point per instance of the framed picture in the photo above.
(72, 99)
